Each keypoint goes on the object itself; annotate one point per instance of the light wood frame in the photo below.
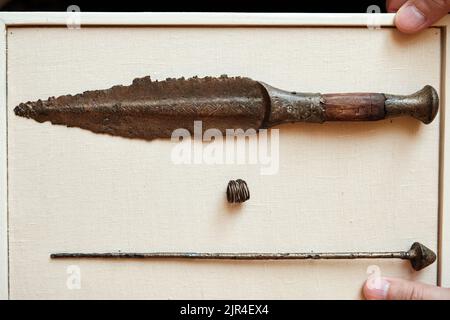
(28, 19)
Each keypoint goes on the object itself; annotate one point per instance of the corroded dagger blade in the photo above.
(152, 109)
(149, 109)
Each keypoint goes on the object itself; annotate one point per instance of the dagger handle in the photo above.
(315, 107)
(422, 105)
(353, 106)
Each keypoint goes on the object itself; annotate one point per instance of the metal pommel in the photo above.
(422, 105)
(420, 256)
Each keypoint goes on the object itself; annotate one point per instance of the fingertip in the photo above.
(376, 288)
(367, 292)
(409, 19)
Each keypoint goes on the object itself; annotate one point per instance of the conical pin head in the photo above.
(421, 256)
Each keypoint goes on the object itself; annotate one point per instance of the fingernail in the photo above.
(376, 288)
(409, 18)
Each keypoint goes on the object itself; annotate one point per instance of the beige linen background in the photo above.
(340, 186)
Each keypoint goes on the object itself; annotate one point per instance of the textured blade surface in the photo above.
(149, 109)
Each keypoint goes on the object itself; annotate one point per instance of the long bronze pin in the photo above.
(418, 255)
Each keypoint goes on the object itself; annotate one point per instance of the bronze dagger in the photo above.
(149, 109)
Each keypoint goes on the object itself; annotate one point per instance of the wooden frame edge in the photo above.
(196, 19)
(4, 271)
(9, 19)
(444, 196)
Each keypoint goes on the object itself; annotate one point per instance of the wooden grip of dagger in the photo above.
(149, 109)
(422, 105)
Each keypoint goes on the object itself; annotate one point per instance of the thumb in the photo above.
(398, 289)
(416, 15)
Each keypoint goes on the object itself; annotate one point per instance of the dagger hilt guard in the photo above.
(315, 107)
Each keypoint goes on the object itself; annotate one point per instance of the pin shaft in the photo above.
(418, 255)
(238, 256)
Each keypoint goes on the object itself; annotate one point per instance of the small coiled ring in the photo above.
(237, 191)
